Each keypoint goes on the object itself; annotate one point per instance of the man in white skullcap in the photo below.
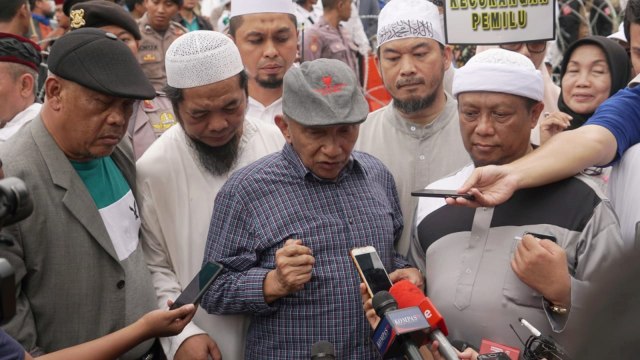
(482, 271)
(180, 174)
(420, 126)
(267, 37)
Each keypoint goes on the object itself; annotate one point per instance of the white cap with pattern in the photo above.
(200, 58)
(246, 7)
(401, 19)
(500, 71)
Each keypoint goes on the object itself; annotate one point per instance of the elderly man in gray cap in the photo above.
(283, 226)
(80, 271)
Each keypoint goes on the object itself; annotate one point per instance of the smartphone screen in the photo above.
(441, 194)
(372, 269)
(197, 287)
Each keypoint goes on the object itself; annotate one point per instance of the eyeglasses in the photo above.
(534, 47)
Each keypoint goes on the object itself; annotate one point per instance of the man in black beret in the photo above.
(19, 62)
(80, 271)
(151, 118)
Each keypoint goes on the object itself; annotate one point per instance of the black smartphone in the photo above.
(197, 287)
(371, 269)
(494, 356)
(441, 194)
(542, 236)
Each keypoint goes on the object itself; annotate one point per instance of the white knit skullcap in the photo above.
(501, 71)
(246, 7)
(401, 19)
(201, 58)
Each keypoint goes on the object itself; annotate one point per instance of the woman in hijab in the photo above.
(593, 69)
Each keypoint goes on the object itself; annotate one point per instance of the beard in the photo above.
(413, 105)
(217, 160)
(271, 82)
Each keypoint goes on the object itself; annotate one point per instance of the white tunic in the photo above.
(176, 198)
(21, 119)
(266, 114)
(416, 155)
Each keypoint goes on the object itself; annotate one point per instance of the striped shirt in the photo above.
(278, 198)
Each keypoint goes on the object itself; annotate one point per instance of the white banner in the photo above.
(499, 21)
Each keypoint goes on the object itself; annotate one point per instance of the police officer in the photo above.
(158, 32)
(150, 118)
(328, 39)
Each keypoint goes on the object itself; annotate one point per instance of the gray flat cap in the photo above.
(323, 92)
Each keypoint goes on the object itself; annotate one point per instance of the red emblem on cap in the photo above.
(329, 87)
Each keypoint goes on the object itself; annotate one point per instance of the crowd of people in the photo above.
(158, 135)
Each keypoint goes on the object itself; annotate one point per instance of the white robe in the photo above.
(21, 119)
(176, 197)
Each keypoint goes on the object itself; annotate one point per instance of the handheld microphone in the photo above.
(407, 295)
(322, 350)
(394, 323)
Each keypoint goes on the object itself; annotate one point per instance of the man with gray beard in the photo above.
(417, 136)
(180, 174)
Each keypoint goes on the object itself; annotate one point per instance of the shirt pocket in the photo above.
(516, 291)
(338, 50)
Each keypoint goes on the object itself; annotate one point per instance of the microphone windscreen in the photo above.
(382, 302)
(406, 294)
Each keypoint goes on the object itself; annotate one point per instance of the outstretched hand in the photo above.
(490, 186)
(161, 323)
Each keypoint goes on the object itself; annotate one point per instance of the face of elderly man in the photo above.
(325, 150)
(412, 70)
(90, 124)
(496, 127)
(268, 43)
(213, 114)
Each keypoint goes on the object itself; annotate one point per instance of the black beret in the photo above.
(99, 61)
(19, 50)
(98, 13)
(67, 4)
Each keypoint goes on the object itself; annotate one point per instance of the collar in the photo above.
(354, 166)
(21, 119)
(41, 19)
(406, 127)
(255, 103)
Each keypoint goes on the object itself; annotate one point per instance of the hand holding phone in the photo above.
(441, 194)
(371, 269)
(199, 285)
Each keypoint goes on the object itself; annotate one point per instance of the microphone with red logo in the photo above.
(408, 295)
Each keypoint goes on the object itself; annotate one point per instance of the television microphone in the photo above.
(407, 295)
(394, 323)
(322, 350)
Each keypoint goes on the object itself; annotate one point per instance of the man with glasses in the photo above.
(536, 52)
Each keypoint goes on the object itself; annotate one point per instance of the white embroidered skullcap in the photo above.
(200, 58)
(501, 71)
(246, 7)
(401, 19)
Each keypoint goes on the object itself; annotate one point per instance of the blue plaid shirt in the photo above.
(278, 198)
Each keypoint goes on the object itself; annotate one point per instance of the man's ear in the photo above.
(447, 55)
(53, 90)
(536, 110)
(283, 125)
(27, 83)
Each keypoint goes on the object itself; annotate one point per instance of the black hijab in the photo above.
(619, 69)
